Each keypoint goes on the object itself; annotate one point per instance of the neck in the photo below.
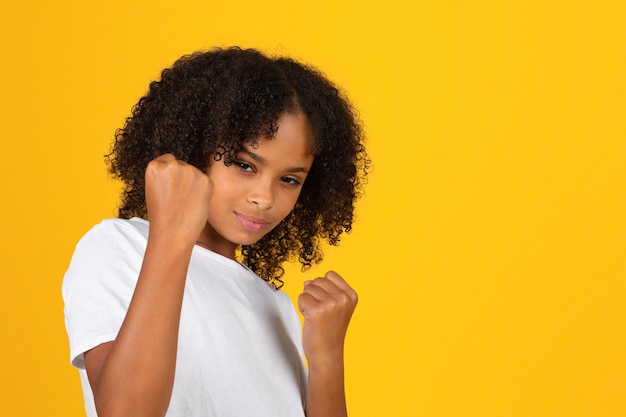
(213, 241)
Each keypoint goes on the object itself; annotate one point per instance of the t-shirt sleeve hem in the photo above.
(77, 353)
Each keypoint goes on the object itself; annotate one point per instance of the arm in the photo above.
(134, 375)
(327, 305)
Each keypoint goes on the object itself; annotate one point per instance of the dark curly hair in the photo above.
(208, 104)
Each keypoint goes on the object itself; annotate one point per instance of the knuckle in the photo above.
(355, 297)
(344, 299)
(332, 275)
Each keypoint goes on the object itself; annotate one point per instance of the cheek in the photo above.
(224, 193)
(288, 202)
(224, 182)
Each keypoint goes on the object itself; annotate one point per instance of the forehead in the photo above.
(293, 136)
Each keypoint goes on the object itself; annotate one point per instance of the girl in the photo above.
(233, 163)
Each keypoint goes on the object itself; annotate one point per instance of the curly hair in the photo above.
(209, 104)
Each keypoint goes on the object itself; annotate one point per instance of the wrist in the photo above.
(173, 238)
(326, 363)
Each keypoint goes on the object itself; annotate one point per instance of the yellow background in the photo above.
(489, 250)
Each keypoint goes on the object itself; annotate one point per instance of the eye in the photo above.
(290, 181)
(243, 166)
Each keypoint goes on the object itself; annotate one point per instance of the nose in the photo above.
(262, 195)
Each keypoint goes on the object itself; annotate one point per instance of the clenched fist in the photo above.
(327, 305)
(177, 197)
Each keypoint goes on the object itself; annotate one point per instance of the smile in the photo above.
(252, 224)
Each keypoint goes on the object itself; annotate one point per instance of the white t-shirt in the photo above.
(239, 343)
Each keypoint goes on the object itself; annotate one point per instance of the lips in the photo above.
(251, 223)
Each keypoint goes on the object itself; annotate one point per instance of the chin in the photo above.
(247, 240)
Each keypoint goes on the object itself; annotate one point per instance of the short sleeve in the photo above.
(99, 284)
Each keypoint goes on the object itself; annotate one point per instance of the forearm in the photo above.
(137, 376)
(325, 396)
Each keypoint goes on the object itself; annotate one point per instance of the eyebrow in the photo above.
(262, 160)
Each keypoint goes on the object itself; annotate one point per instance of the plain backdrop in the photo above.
(488, 251)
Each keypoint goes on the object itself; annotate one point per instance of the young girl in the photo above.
(233, 163)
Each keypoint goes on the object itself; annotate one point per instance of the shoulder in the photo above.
(113, 235)
(107, 229)
(284, 302)
(112, 247)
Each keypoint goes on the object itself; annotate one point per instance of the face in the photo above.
(259, 189)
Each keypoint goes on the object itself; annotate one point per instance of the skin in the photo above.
(219, 209)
